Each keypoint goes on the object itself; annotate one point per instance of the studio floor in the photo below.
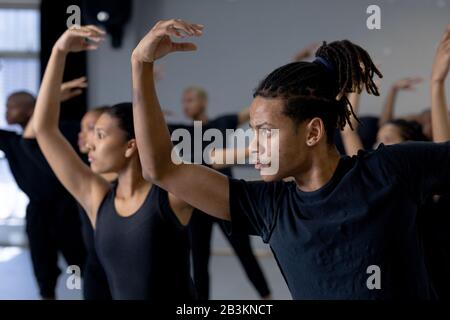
(227, 276)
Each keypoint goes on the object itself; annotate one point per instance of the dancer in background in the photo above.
(48, 234)
(95, 283)
(195, 105)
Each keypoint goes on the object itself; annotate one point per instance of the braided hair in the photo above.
(320, 88)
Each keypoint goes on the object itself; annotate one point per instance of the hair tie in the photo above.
(325, 63)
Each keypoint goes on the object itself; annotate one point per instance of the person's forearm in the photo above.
(46, 113)
(152, 134)
(388, 108)
(440, 118)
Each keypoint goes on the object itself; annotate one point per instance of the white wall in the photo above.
(246, 39)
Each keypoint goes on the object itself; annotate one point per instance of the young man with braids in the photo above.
(341, 217)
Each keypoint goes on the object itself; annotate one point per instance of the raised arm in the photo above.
(87, 187)
(69, 90)
(389, 104)
(350, 137)
(198, 185)
(440, 118)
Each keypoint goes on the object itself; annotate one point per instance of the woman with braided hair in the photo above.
(345, 227)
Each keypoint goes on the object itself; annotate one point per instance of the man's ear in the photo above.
(315, 131)
(131, 148)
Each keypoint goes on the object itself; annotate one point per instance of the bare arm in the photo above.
(69, 90)
(440, 118)
(350, 137)
(76, 177)
(389, 104)
(201, 187)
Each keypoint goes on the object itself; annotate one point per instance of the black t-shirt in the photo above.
(35, 183)
(29, 167)
(221, 123)
(434, 222)
(324, 241)
(145, 256)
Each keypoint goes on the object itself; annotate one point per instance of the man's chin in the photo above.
(268, 177)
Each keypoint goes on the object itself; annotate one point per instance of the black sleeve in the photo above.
(7, 140)
(253, 207)
(33, 152)
(422, 167)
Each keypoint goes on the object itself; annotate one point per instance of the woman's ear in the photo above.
(131, 148)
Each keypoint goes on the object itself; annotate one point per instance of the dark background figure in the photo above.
(52, 221)
(195, 101)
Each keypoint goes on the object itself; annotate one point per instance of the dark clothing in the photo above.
(201, 224)
(221, 123)
(53, 223)
(200, 228)
(434, 222)
(325, 241)
(52, 228)
(146, 255)
(95, 284)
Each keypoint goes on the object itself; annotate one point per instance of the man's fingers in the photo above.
(96, 29)
(184, 46)
(191, 29)
(75, 93)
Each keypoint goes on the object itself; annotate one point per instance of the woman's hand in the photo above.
(442, 59)
(407, 83)
(157, 42)
(80, 38)
(73, 88)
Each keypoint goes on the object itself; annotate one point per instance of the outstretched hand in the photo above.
(442, 59)
(407, 83)
(80, 38)
(73, 88)
(157, 42)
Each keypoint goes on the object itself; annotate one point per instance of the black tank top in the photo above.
(146, 255)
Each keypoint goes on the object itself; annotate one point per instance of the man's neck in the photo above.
(319, 171)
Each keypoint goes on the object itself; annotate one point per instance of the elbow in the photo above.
(41, 130)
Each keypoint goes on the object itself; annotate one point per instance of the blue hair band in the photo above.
(325, 63)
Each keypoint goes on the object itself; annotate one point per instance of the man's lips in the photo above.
(259, 165)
